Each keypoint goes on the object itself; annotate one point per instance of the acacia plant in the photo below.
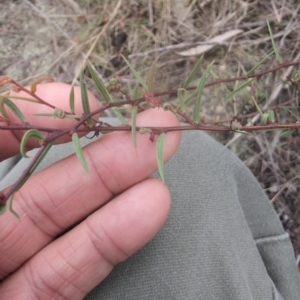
(266, 118)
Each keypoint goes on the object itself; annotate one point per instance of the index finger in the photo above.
(55, 93)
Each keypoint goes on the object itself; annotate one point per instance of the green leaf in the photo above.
(200, 87)
(256, 105)
(2, 209)
(193, 73)
(278, 57)
(10, 208)
(99, 84)
(181, 99)
(136, 74)
(133, 125)
(79, 152)
(287, 133)
(239, 88)
(151, 77)
(119, 116)
(136, 92)
(103, 91)
(85, 99)
(32, 133)
(2, 108)
(264, 118)
(261, 62)
(160, 155)
(190, 97)
(168, 106)
(71, 100)
(271, 116)
(15, 110)
(41, 157)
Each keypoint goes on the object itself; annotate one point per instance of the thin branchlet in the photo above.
(81, 124)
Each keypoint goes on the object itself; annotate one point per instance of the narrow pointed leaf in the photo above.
(278, 57)
(200, 87)
(2, 108)
(261, 62)
(287, 133)
(181, 99)
(41, 157)
(160, 155)
(151, 77)
(79, 152)
(264, 118)
(190, 97)
(133, 125)
(10, 208)
(99, 84)
(32, 133)
(119, 116)
(71, 100)
(136, 74)
(23, 99)
(271, 116)
(22, 182)
(239, 88)
(85, 99)
(15, 110)
(193, 73)
(136, 92)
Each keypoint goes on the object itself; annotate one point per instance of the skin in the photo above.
(41, 257)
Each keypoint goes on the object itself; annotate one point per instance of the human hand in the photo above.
(37, 264)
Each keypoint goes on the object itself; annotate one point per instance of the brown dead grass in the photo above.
(51, 37)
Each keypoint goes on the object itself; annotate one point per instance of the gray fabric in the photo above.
(222, 239)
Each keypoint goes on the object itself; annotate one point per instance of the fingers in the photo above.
(75, 263)
(58, 197)
(56, 94)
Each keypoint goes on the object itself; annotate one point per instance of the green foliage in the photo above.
(79, 152)
(103, 91)
(151, 77)
(287, 133)
(240, 87)
(200, 87)
(99, 84)
(10, 208)
(260, 63)
(15, 110)
(193, 73)
(32, 133)
(71, 100)
(160, 155)
(181, 99)
(85, 99)
(136, 74)
(41, 157)
(278, 57)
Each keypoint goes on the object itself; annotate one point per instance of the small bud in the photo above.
(145, 130)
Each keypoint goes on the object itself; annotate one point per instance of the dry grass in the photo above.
(52, 37)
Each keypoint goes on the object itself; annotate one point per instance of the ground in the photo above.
(42, 37)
